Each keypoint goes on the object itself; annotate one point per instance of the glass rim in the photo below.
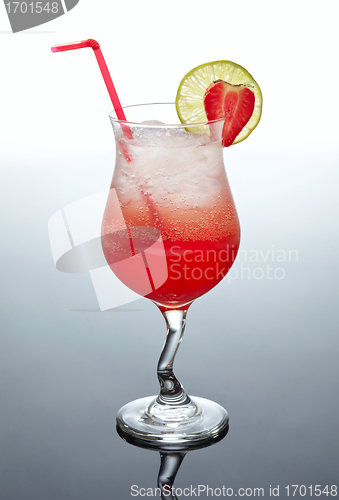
(113, 118)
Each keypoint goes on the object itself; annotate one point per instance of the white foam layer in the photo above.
(170, 165)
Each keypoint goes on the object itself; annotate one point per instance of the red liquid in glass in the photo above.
(197, 247)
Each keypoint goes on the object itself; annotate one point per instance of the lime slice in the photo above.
(190, 96)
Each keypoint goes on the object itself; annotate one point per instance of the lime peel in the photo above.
(190, 96)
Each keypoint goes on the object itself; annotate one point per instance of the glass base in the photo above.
(146, 419)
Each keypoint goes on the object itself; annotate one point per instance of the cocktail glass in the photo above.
(170, 232)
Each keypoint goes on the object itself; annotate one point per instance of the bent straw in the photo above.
(105, 73)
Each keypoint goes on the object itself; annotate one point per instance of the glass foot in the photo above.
(198, 421)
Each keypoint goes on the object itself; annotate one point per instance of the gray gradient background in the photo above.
(265, 349)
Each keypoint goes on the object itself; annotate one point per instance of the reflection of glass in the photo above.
(171, 457)
(170, 232)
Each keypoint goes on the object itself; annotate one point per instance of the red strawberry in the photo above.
(235, 102)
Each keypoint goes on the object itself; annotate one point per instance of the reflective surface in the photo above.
(272, 357)
(171, 457)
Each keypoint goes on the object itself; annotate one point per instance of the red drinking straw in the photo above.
(105, 73)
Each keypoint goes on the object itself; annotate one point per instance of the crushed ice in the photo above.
(156, 133)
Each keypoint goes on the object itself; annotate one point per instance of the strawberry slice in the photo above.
(235, 102)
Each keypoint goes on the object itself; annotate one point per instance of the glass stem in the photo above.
(169, 466)
(171, 391)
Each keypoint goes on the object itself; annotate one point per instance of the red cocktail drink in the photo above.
(170, 230)
(171, 187)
